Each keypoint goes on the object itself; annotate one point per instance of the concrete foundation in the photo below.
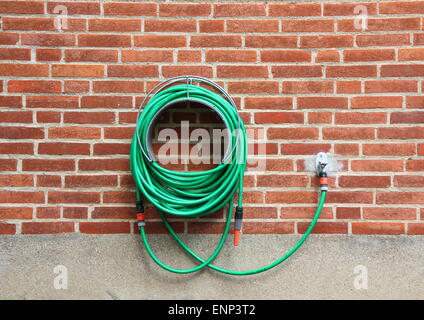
(117, 267)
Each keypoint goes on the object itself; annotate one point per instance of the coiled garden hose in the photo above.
(195, 194)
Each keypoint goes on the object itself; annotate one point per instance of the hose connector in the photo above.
(237, 224)
(139, 209)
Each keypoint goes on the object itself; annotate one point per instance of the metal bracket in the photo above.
(321, 163)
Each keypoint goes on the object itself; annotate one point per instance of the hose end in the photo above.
(139, 209)
(236, 237)
(237, 224)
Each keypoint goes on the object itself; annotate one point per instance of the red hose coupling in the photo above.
(237, 224)
(323, 182)
(140, 213)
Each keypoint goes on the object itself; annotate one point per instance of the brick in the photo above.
(63, 102)
(189, 56)
(326, 25)
(376, 86)
(211, 41)
(118, 87)
(91, 55)
(327, 56)
(252, 26)
(304, 148)
(84, 181)
(304, 213)
(8, 38)
(253, 87)
(16, 180)
(81, 71)
(271, 41)
(399, 24)
(76, 8)
(207, 26)
(401, 7)
(347, 9)
(415, 102)
(418, 39)
(412, 181)
(140, 71)
(89, 117)
(48, 40)
(282, 181)
(7, 228)
(158, 227)
(119, 133)
(8, 164)
(231, 56)
(185, 10)
(415, 228)
(348, 87)
(384, 40)
(360, 117)
(292, 133)
(374, 102)
(412, 70)
(49, 181)
(75, 213)
(407, 117)
(114, 25)
(74, 133)
(378, 228)
(290, 197)
(319, 117)
(76, 86)
(170, 26)
(276, 227)
(268, 103)
(130, 9)
(326, 41)
(239, 10)
(351, 71)
(22, 7)
(48, 165)
(322, 102)
(147, 56)
(415, 165)
(285, 56)
(200, 70)
(242, 71)
(106, 102)
(16, 148)
(348, 133)
(104, 40)
(73, 197)
(295, 10)
(34, 86)
(48, 54)
(349, 197)
(160, 41)
(113, 213)
(377, 165)
(47, 227)
(119, 197)
(400, 133)
(279, 117)
(364, 181)
(369, 55)
(390, 213)
(21, 197)
(299, 71)
(411, 54)
(56, 148)
(41, 24)
(15, 54)
(348, 213)
(48, 212)
(16, 116)
(111, 148)
(324, 227)
(260, 212)
(23, 70)
(21, 133)
(103, 165)
(15, 213)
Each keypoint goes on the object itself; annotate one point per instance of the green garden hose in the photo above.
(195, 194)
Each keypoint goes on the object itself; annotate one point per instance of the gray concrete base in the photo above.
(117, 267)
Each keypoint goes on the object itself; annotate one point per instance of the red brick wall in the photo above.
(301, 71)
